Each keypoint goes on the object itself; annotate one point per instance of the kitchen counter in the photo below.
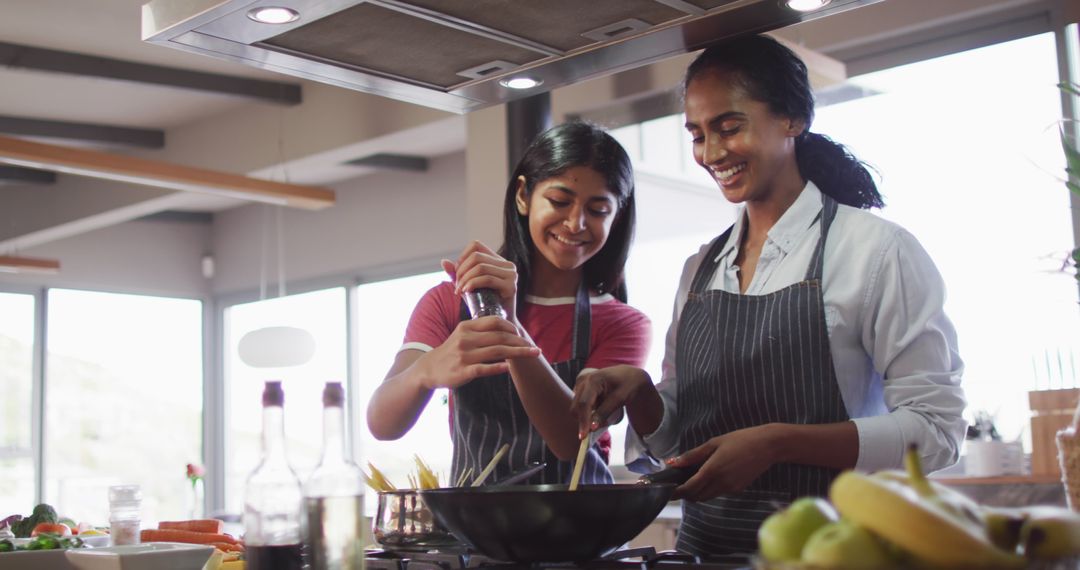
(1010, 491)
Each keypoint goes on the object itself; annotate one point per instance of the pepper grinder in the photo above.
(484, 302)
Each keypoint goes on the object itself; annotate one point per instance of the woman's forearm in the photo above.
(399, 400)
(546, 399)
(833, 445)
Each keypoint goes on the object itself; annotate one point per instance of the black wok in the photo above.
(547, 523)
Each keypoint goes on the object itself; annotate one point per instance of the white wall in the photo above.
(149, 257)
(380, 221)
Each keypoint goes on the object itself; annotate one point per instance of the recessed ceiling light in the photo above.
(520, 82)
(807, 5)
(273, 15)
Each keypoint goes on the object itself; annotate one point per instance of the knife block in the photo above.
(1051, 411)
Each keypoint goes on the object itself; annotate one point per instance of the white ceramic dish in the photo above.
(34, 560)
(149, 556)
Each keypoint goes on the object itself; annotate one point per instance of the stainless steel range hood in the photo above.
(454, 54)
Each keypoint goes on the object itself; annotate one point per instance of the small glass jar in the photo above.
(124, 516)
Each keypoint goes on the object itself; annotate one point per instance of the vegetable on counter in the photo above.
(198, 525)
(44, 542)
(43, 513)
(59, 529)
(189, 536)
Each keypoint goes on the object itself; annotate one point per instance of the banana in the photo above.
(896, 513)
(1003, 526)
(938, 529)
(1050, 532)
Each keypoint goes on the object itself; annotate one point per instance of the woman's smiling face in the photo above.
(743, 146)
(570, 216)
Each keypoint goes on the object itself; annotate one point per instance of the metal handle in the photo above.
(677, 475)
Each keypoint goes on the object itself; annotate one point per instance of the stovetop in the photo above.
(645, 558)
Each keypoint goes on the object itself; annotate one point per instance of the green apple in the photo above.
(782, 536)
(844, 544)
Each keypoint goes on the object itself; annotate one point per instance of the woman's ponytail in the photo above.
(836, 171)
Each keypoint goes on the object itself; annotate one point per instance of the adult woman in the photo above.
(808, 338)
(568, 224)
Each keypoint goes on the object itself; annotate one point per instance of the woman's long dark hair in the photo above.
(773, 74)
(552, 153)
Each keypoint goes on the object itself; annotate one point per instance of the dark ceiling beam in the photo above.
(392, 161)
(41, 59)
(20, 175)
(124, 136)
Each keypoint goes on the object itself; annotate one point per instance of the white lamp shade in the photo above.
(275, 347)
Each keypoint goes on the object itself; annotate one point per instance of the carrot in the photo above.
(189, 536)
(198, 525)
(226, 547)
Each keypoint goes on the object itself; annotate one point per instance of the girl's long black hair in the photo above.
(773, 74)
(555, 151)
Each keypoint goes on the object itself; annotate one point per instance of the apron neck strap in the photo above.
(817, 263)
(582, 323)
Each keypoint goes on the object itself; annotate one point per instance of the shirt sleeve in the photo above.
(913, 345)
(433, 319)
(623, 340)
(642, 451)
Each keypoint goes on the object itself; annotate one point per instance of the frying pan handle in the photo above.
(677, 475)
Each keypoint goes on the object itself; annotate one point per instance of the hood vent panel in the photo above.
(452, 55)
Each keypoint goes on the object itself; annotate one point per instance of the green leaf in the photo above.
(1069, 88)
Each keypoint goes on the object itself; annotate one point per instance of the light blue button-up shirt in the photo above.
(893, 349)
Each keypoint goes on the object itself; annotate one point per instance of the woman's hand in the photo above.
(729, 463)
(478, 267)
(599, 394)
(476, 348)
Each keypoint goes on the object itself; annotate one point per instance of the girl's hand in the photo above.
(479, 266)
(476, 348)
(729, 463)
(599, 394)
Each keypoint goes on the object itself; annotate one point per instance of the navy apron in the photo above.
(749, 360)
(488, 413)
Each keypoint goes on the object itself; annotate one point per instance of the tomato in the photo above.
(60, 529)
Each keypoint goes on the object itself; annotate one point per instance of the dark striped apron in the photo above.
(487, 413)
(749, 360)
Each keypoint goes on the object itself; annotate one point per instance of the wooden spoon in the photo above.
(579, 463)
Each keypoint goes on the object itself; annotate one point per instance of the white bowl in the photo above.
(149, 556)
(34, 560)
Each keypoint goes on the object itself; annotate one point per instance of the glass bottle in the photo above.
(334, 495)
(272, 498)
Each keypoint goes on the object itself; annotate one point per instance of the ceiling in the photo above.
(79, 73)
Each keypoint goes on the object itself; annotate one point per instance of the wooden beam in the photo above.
(88, 132)
(42, 59)
(12, 264)
(19, 152)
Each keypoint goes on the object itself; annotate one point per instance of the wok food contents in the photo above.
(272, 497)
(899, 518)
(334, 495)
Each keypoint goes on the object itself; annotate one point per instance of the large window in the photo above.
(956, 140)
(123, 402)
(321, 313)
(16, 395)
(962, 145)
(382, 312)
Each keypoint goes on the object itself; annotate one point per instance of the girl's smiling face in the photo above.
(744, 146)
(570, 216)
